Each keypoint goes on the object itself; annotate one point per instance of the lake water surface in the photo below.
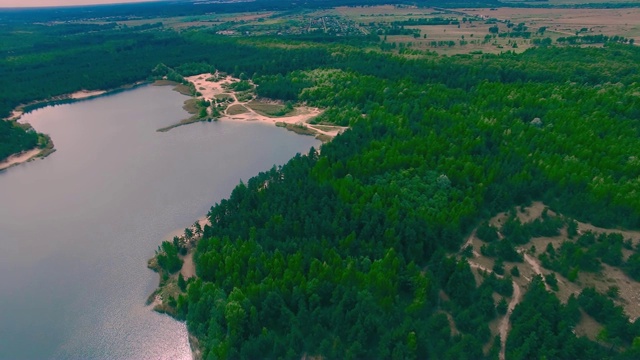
(77, 228)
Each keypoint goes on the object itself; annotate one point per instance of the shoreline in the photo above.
(48, 149)
(20, 158)
(168, 284)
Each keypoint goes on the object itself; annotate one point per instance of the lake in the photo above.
(77, 228)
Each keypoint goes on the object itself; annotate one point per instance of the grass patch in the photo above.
(165, 83)
(236, 109)
(271, 110)
(191, 106)
(324, 138)
(297, 128)
(326, 127)
(183, 89)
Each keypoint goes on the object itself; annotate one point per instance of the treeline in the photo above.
(593, 39)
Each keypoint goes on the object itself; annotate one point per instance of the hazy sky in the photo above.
(32, 3)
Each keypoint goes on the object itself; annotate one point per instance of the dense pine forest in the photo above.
(354, 250)
(346, 253)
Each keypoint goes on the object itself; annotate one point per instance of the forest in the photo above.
(348, 253)
(353, 250)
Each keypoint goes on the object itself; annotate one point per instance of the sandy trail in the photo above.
(536, 268)
(209, 90)
(19, 158)
(505, 324)
(188, 267)
(469, 242)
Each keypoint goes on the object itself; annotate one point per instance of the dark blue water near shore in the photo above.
(77, 228)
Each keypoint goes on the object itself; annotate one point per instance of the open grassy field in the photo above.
(563, 22)
(418, 31)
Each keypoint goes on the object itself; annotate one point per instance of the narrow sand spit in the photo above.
(505, 324)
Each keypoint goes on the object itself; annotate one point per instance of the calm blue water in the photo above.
(77, 228)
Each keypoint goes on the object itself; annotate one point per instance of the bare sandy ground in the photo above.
(188, 267)
(83, 94)
(19, 158)
(301, 115)
(15, 115)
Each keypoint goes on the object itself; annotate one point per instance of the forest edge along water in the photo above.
(254, 140)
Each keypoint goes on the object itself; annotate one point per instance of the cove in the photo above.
(77, 228)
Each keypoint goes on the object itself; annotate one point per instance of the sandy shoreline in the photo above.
(19, 158)
(83, 94)
(168, 283)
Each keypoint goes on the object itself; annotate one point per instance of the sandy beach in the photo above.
(19, 158)
(83, 94)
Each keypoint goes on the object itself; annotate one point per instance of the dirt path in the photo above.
(505, 324)
(469, 242)
(516, 297)
(188, 267)
(536, 268)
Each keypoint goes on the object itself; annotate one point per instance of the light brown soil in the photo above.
(300, 116)
(19, 158)
(188, 267)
